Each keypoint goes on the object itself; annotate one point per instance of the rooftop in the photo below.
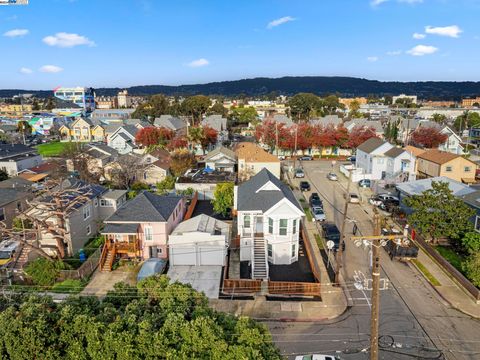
(371, 145)
(417, 187)
(438, 156)
(203, 177)
(251, 152)
(201, 223)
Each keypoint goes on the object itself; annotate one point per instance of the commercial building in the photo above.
(471, 102)
(81, 96)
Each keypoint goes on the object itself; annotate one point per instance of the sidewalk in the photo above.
(448, 290)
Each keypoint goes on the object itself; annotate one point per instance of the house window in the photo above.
(270, 250)
(295, 226)
(448, 169)
(148, 233)
(145, 175)
(294, 252)
(2, 214)
(87, 212)
(270, 225)
(283, 227)
(246, 221)
(95, 202)
(467, 169)
(106, 203)
(89, 230)
(477, 223)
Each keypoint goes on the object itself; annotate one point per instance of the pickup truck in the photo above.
(399, 252)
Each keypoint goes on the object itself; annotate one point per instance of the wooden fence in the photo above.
(448, 268)
(241, 286)
(85, 270)
(293, 288)
(192, 206)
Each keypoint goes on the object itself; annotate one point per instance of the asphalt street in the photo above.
(415, 322)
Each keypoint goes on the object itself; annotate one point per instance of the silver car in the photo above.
(318, 214)
(332, 176)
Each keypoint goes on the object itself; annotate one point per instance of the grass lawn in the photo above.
(451, 256)
(308, 214)
(319, 241)
(52, 149)
(426, 273)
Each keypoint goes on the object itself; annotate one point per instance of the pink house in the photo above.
(140, 228)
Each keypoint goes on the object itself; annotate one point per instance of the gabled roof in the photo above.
(419, 186)
(414, 150)
(249, 198)
(472, 198)
(170, 122)
(216, 122)
(146, 207)
(251, 152)
(394, 152)
(371, 145)
(438, 156)
(329, 120)
(16, 183)
(201, 223)
(9, 195)
(223, 150)
(10, 150)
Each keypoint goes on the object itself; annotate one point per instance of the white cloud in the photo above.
(451, 31)
(411, 1)
(66, 40)
(394, 53)
(25, 70)
(198, 63)
(277, 22)
(16, 33)
(419, 36)
(372, 58)
(421, 50)
(379, 2)
(50, 69)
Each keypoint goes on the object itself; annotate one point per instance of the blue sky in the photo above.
(105, 43)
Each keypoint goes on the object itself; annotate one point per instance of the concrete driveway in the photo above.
(103, 281)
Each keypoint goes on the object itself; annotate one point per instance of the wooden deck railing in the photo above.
(307, 244)
(192, 206)
(294, 288)
(234, 286)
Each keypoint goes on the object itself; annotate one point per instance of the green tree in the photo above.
(471, 267)
(330, 104)
(181, 161)
(439, 118)
(243, 115)
(3, 175)
(223, 198)
(35, 105)
(304, 105)
(155, 320)
(438, 213)
(155, 106)
(471, 242)
(49, 104)
(467, 120)
(166, 185)
(218, 109)
(24, 128)
(43, 271)
(196, 106)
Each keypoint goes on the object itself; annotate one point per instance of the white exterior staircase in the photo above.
(259, 262)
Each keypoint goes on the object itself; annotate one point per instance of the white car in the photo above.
(299, 173)
(353, 198)
(332, 176)
(316, 357)
(318, 214)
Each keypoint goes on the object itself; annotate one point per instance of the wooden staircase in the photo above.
(22, 258)
(260, 268)
(109, 253)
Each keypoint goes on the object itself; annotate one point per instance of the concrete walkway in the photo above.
(102, 282)
(448, 290)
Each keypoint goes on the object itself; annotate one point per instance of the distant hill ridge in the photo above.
(289, 85)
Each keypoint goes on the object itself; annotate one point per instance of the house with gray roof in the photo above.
(123, 139)
(141, 226)
(365, 123)
(221, 159)
(12, 202)
(17, 157)
(219, 124)
(329, 120)
(174, 123)
(268, 222)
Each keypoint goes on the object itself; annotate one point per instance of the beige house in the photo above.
(252, 159)
(83, 130)
(433, 163)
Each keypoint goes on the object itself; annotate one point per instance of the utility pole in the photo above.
(295, 149)
(375, 289)
(339, 258)
(276, 137)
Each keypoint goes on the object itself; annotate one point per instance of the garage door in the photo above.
(182, 256)
(211, 255)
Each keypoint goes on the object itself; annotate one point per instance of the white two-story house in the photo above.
(123, 139)
(453, 144)
(268, 223)
(371, 158)
(400, 165)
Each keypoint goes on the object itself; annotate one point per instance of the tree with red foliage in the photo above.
(153, 136)
(266, 133)
(324, 136)
(359, 135)
(428, 137)
(178, 142)
(209, 137)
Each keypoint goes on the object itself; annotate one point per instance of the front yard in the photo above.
(451, 256)
(52, 149)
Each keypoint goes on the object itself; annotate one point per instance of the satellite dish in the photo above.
(330, 244)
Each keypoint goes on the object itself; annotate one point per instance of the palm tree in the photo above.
(195, 136)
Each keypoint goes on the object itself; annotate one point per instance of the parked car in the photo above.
(353, 198)
(352, 159)
(316, 357)
(306, 158)
(8, 249)
(299, 173)
(332, 176)
(377, 200)
(389, 205)
(151, 267)
(315, 200)
(318, 214)
(366, 183)
(281, 157)
(331, 232)
(304, 186)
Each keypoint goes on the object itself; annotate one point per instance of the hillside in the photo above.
(345, 86)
